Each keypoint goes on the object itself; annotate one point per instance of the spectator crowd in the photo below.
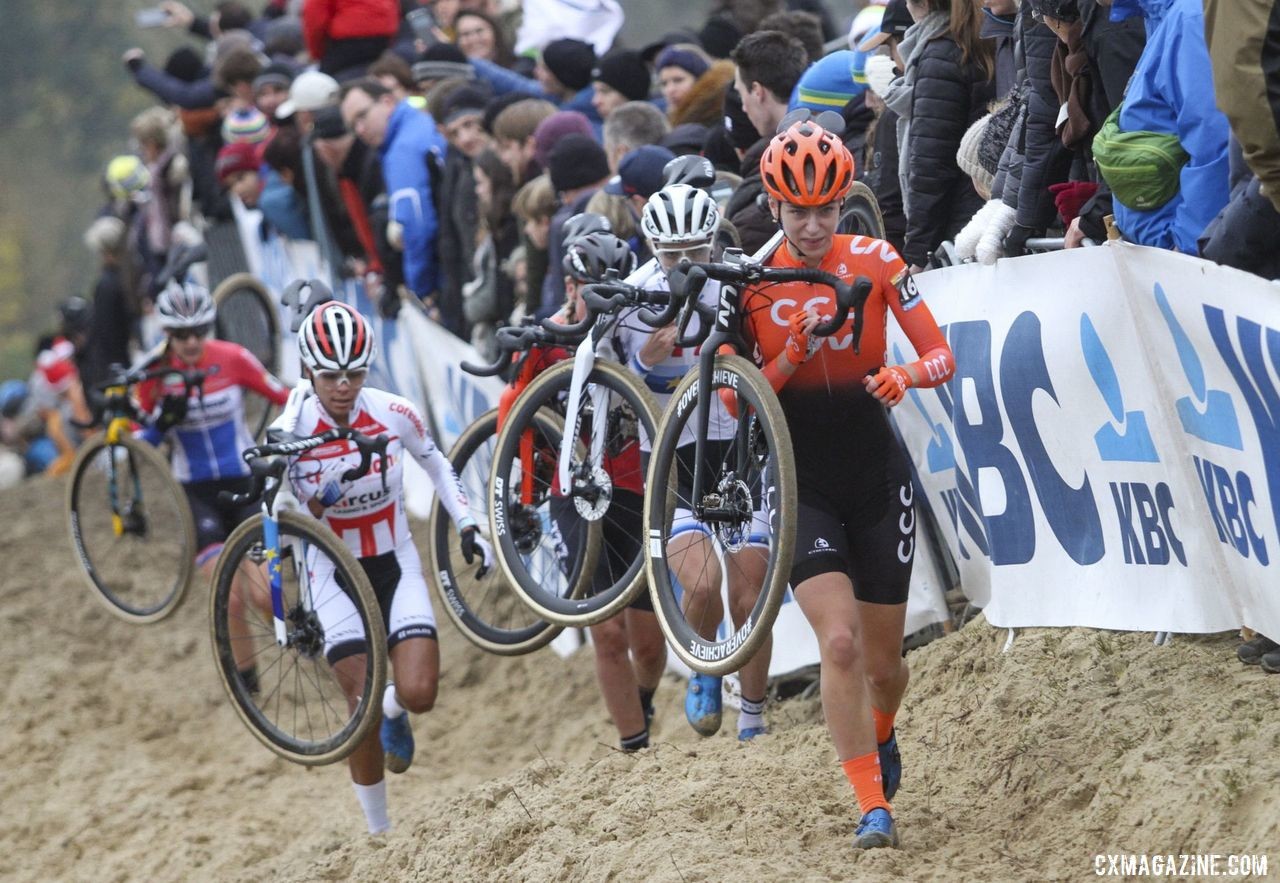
(437, 148)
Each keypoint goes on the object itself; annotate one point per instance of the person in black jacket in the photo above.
(954, 81)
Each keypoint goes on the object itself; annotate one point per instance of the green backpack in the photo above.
(1141, 168)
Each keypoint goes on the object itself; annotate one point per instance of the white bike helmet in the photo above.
(335, 337)
(185, 306)
(678, 217)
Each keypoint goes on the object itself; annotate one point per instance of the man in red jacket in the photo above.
(346, 35)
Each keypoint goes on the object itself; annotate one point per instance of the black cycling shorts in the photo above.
(867, 533)
(621, 532)
(213, 518)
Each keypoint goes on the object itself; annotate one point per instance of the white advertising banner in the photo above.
(1108, 452)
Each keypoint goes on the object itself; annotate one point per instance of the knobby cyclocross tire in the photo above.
(247, 316)
(298, 688)
(861, 213)
(486, 611)
(764, 432)
(140, 573)
(604, 585)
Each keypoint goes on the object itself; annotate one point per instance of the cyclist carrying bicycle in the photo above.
(207, 426)
(336, 345)
(680, 222)
(855, 534)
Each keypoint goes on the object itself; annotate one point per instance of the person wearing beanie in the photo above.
(271, 87)
(719, 36)
(827, 84)
(678, 67)
(555, 127)
(968, 157)
(237, 167)
(441, 61)
(621, 76)
(247, 124)
(578, 167)
(561, 76)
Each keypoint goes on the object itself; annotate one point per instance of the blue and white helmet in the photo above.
(185, 305)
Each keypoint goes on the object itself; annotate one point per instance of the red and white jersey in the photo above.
(370, 520)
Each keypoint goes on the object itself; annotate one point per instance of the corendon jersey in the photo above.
(827, 407)
(369, 519)
(210, 439)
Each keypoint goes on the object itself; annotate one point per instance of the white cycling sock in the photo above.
(391, 706)
(750, 714)
(373, 800)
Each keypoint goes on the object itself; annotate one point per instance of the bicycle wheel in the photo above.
(861, 213)
(131, 528)
(300, 708)
(485, 610)
(756, 466)
(596, 576)
(246, 316)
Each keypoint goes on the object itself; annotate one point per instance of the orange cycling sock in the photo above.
(863, 773)
(884, 724)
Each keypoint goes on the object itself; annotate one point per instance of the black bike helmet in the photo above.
(696, 171)
(76, 314)
(583, 223)
(591, 256)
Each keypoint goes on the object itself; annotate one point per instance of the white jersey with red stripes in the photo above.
(369, 519)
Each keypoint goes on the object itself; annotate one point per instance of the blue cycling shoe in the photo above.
(890, 765)
(702, 704)
(875, 830)
(397, 743)
(746, 734)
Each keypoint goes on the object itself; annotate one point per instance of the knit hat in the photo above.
(275, 74)
(742, 132)
(497, 105)
(671, 38)
(557, 126)
(719, 36)
(967, 157)
(127, 176)
(570, 61)
(999, 129)
(828, 83)
(576, 161)
(640, 172)
(675, 56)
(185, 64)
(441, 61)
(246, 124)
(626, 72)
(463, 101)
(238, 157)
(328, 123)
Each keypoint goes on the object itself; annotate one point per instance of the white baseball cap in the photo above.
(310, 90)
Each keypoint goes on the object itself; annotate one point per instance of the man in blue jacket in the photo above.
(409, 145)
(1172, 92)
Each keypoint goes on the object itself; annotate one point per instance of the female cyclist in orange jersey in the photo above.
(855, 536)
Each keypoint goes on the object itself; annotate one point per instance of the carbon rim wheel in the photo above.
(246, 316)
(861, 213)
(299, 709)
(758, 465)
(485, 610)
(592, 530)
(131, 528)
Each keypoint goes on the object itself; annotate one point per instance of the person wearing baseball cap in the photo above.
(893, 26)
(309, 91)
(640, 174)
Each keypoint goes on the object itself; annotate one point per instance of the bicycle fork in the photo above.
(583, 360)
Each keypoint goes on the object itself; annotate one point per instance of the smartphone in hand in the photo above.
(154, 17)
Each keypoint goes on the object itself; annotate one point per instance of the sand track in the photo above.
(123, 761)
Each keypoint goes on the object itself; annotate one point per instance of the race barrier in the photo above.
(1108, 453)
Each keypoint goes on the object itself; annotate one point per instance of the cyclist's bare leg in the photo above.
(415, 670)
(698, 571)
(366, 761)
(746, 576)
(617, 677)
(648, 647)
(886, 668)
(828, 603)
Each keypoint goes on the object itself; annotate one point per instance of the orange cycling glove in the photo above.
(797, 339)
(889, 384)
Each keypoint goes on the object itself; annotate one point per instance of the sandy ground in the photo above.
(121, 760)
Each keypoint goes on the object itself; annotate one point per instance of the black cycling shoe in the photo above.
(1251, 652)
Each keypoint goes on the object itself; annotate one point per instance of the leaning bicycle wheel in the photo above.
(567, 555)
(860, 213)
(246, 316)
(484, 609)
(131, 528)
(739, 522)
(291, 689)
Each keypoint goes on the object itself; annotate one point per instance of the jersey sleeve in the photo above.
(936, 363)
(251, 375)
(422, 447)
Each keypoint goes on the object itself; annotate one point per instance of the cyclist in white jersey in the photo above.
(336, 345)
(681, 222)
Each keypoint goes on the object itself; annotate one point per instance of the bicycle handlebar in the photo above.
(192, 381)
(513, 339)
(260, 468)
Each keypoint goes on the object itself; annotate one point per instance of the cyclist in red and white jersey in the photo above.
(336, 345)
(207, 427)
(855, 536)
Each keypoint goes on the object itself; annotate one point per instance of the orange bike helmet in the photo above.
(806, 165)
